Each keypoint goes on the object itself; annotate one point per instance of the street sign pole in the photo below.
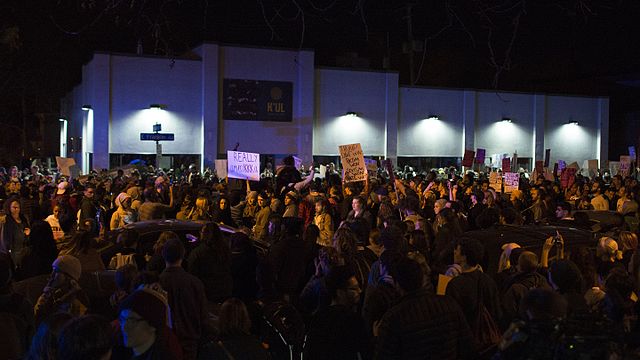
(157, 137)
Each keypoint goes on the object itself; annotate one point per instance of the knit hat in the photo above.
(149, 305)
(62, 187)
(121, 198)
(68, 265)
(293, 195)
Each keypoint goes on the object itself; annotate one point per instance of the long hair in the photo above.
(45, 341)
(234, 318)
(211, 235)
(345, 242)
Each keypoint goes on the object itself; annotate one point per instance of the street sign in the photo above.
(156, 137)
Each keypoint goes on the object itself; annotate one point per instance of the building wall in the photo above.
(419, 136)
(174, 83)
(269, 137)
(339, 91)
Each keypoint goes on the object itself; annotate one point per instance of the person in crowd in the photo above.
(539, 334)
(244, 261)
(187, 298)
(62, 293)
(54, 221)
(155, 262)
(287, 257)
(89, 208)
(153, 208)
(337, 331)
(235, 340)
(16, 315)
(609, 256)
(315, 295)
(598, 200)
(359, 210)
(124, 214)
(124, 280)
(84, 248)
(42, 251)
(629, 243)
(14, 231)
(473, 286)
(290, 204)
(143, 325)
(260, 229)
(520, 283)
(201, 211)
(44, 344)
(324, 223)
(85, 337)
(421, 325)
(222, 212)
(125, 251)
(211, 263)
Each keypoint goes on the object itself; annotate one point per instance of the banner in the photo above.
(221, 168)
(480, 155)
(625, 165)
(243, 165)
(506, 165)
(495, 181)
(467, 160)
(65, 164)
(547, 157)
(352, 159)
(511, 182)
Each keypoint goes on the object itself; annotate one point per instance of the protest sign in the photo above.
(467, 160)
(495, 181)
(64, 165)
(243, 165)
(297, 162)
(323, 171)
(561, 166)
(221, 168)
(372, 165)
(547, 157)
(614, 166)
(592, 165)
(568, 177)
(352, 159)
(480, 154)
(506, 165)
(625, 165)
(511, 182)
(389, 167)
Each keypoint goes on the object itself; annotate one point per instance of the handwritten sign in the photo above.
(372, 165)
(625, 165)
(64, 165)
(221, 168)
(511, 182)
(353, 165)
(243, 165)
(467, 160)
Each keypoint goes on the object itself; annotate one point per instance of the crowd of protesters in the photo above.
(350, 271)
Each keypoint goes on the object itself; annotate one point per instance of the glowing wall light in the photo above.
(63, 137)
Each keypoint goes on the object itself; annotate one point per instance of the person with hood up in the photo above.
(124, 214)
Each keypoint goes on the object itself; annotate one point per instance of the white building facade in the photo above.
(277, 102)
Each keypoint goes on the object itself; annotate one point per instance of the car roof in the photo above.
(150, 226)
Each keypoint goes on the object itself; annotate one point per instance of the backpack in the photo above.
(484, 329)
(119, 260)
(14, 332)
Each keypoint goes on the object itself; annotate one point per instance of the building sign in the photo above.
(257, 100)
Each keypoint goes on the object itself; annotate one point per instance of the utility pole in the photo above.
(410, 40)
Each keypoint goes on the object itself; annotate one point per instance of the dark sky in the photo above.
(559, 46)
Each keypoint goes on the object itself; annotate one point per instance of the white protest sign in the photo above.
(64, 165)
(495, 181)
(511, 182)
(243, 165)
(353, 165)
(614, 166)
(323, 171)
(221, 168)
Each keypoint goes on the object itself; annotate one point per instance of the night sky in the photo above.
(570, 46)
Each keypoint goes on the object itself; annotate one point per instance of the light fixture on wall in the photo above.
(572, 122)
(433, 117)
(86, 107)
(351, 113)
(158, 106)
(506, 120)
